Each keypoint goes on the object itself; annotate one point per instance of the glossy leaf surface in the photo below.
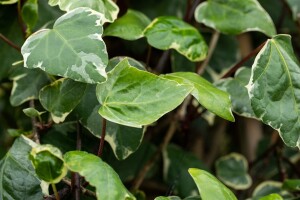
(210, 97)
(68, 50)
(106, 7)
(233, 171)
(210, 187)
(129, 27)
(235, 16)
(134, 98)
(274, 88)
(61, 97)
(173, 33)
(99, 174)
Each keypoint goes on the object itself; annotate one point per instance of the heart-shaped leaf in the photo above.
(98, 174)
(274, 88)
(173, 33)
(106, 7)
(69, 50)
(134, 97)
(235, 16)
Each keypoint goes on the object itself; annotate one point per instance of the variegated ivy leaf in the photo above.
(274, 88)
(4, 2)
(61, 97)
(106, 7)
(69, 50)
(173, 33)
(235, 16)
(135, 98)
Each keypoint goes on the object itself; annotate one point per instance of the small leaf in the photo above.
(99, 174)
(31, 112)
(232, 170)
(18, 180)
(210, 97)
(106, 7)
(291, 184)
(69, 50)
(210, 187)
(48, 163)
(61, 97)
(271, 197)
(173, 33)
(274, 88)
(129, 27)
(17, 132)
(30, 13)
(135, 98)
(113, 62)
(247, 15)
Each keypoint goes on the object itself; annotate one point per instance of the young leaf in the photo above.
(135, 98)
(232, 170)
(235, 16)
(129, 27)
(99, 174)
(61, 97)
(210, 187)
(106, 7)
(30, 14)
(17, 176)
(173, 33)
(113, 62)
(48, 163)
(274, 88)
(32, 112)
(210, 97)
(69, 50)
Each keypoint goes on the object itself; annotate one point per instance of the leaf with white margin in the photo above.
(129, 27)
(274, 88)
(210, 97)
(61, 97)
(6, 2)
(235, 16)
(99, 174)
(106, 7)
(69, 50)
(173, 33)
(135, 98)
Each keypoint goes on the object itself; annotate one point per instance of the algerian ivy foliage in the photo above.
(74, 81)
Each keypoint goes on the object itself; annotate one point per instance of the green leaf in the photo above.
(69, 50)
(168, 198)
(61, 97)
(129, 27)
(274, 88)
(232, 170)
(271, 197)
(24, 90)
(5, 2)
(210, 97)
(30, 14)
(48, 163)
(266, 188)
(113, 62)
(18, 180)
(123, 140)
(106, 7)
(32, 112)
(291, 184)
(295, 7)
(173, 33)
(17, 132)
(135, 98)
(99, 174)
(210, 187)
(235, 16)
(241, 104)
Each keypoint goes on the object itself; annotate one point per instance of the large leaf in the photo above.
(274, 88)
(173, 33)
(99, 174)
(210, 97)
(235, 16)
(61, 97)
(18, 180)
(123, 140)
(69, 50)
(129, 27)
(238, 92)
(233, 171)
(134, 98)
(210, 187)
(106, 7)
(24, 90)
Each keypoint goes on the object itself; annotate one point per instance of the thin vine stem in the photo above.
(10, 43)
(55, 191)
(102, 139)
